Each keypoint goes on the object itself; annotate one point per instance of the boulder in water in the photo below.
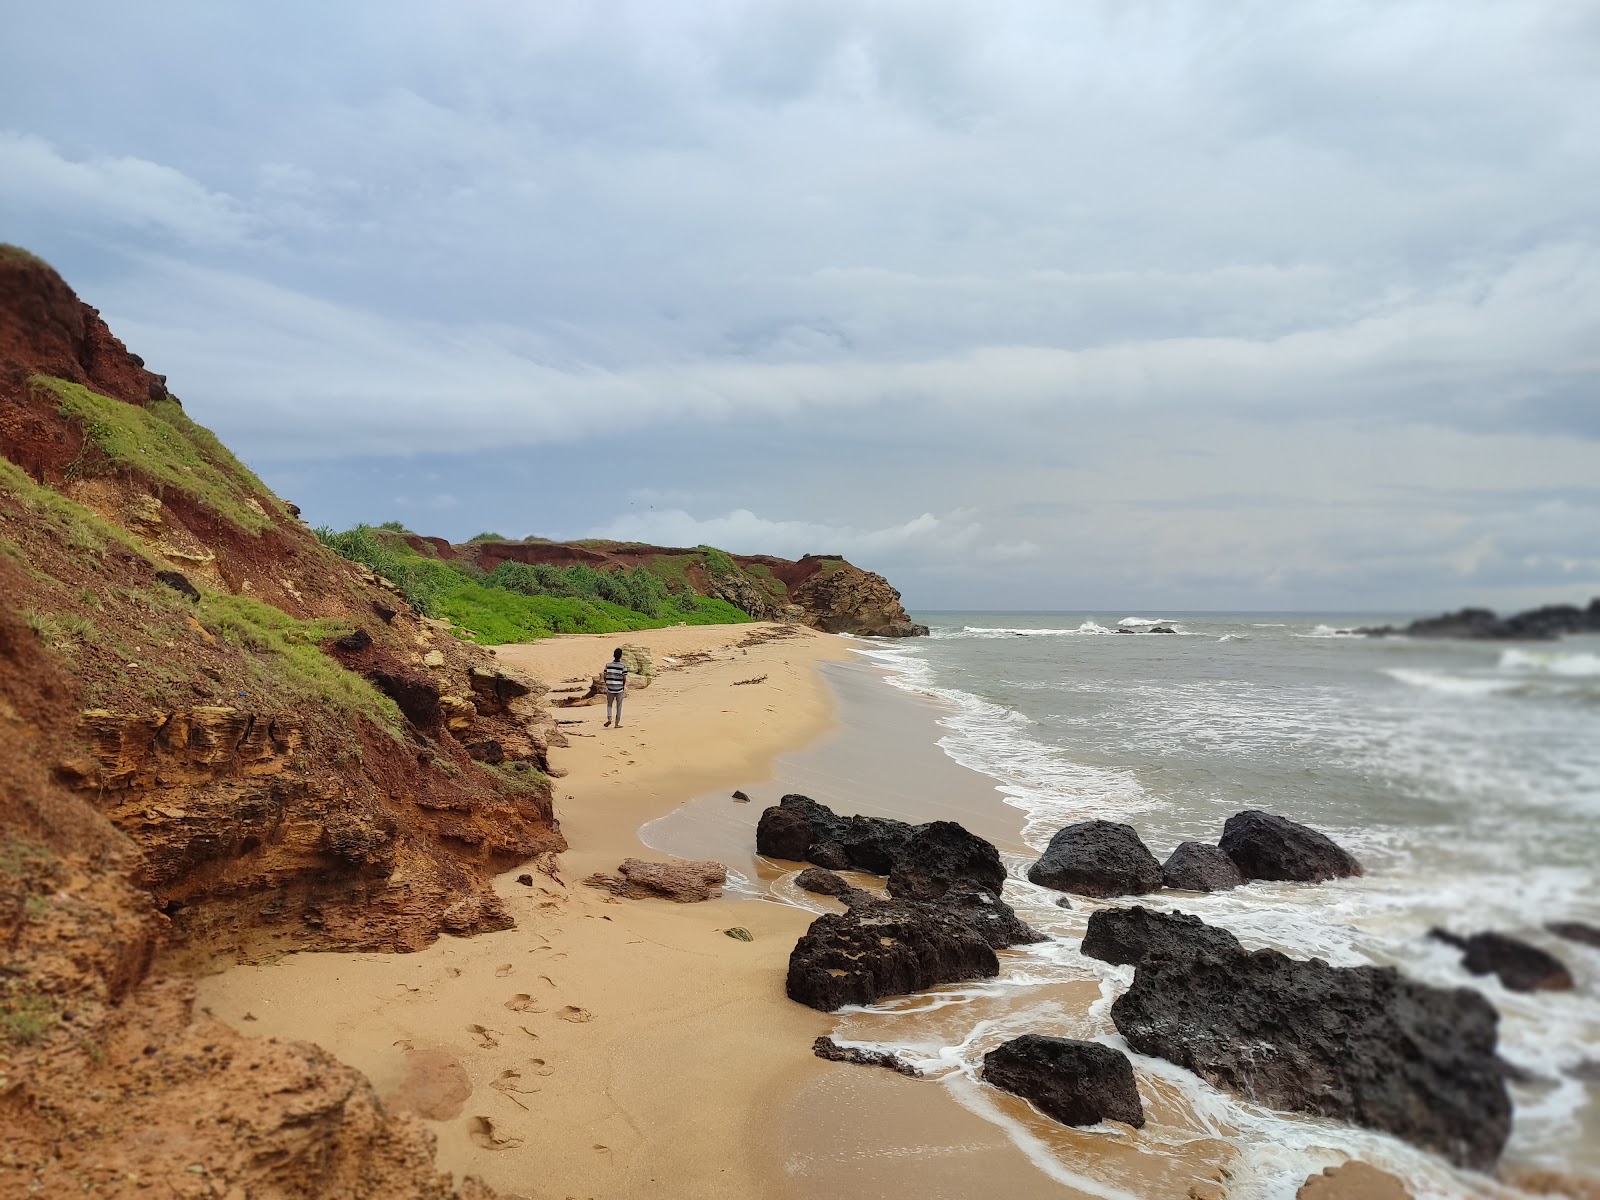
(1358, 1044)
(822, 882)
(783, 833)
(879, 948)
(1576, 931)
(1126, 935)
(1097, 858)
(1076, 1083)
(941, 855)
(1266, 846)
(1199, 867)
(1519, 966)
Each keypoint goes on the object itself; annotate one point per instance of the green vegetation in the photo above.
(287, 659)
(74, 525)
(16, 254)
(62, 629)
(717, 562)
(161, 443)
(488, 537)
(517, 602)
(26, 1016)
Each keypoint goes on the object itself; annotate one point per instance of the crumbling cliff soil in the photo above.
(218, 741)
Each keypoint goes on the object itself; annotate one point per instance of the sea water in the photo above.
(1465, 776)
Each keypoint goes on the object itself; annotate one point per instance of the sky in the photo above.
(1128, 305)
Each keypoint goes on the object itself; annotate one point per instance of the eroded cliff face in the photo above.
(217, 741)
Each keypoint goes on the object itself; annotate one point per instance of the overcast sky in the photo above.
(1132, 304)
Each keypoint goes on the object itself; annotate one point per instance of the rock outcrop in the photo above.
(1126, 935)
(1198, 867)
(1076, 1083)
(1360, 1044)
(881, 948)
(198, 752)
(822, 882)
(942, 855)
(799, 829)
(1576, 931)
(1481, 624)
(1266, 846)
(1097, 858)
(1519, 966)
(683, 881)
(826, 1047)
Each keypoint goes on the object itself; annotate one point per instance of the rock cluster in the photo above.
(1360, 1044)
(1481, 624)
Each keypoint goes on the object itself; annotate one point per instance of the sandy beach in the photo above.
(601, 1048)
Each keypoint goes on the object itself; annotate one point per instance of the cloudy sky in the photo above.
(1129, 304)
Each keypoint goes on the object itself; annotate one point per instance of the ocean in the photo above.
(1465, 776)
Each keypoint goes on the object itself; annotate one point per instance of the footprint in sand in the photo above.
(524, 1003)
(548, 980)
(487, 1039)
(482, 1132)
(453, 972)
(539, 1067)
(529, 1032)
(503, 970)
(576, 1015)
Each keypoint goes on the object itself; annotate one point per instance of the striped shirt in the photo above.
(616, 674)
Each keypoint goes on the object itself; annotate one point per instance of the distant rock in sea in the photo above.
(1482, 624)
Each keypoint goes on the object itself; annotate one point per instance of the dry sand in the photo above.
(612, 1048)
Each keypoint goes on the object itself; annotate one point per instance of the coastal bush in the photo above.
(717, 562)
(519, 601)
(488, 537)
(161, 443)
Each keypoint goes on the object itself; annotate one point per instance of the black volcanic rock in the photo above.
(826, 1047)
(1077, 1083)
(941, 855)
(1097, 858)
(1126, 935)
(1199, 867)
(883, 948)
(1480, 624)
(1359, 1044)
(874, 843)
(783, 833)
(1576, 931)
(822, 882)
(1265, 846)
(1519, 966)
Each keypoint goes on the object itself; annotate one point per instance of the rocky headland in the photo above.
(1542, 624)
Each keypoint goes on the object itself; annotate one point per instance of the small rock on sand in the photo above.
(1353, 1181)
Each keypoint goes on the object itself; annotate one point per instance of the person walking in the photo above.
(616, 678)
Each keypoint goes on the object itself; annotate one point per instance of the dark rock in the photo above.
(826, 1047)
(1077, 1083)
(1575, 931)
(416, 695)
(385, 613)
(1126, 935)
(783, 833)
(874, 843)
(355, 641)
(179, 582)
(741, 798)
(1097, 858)
(1198, 867)
(831, 856)
(881, 948)
(897, 629)
(995, 920)
(1160, 629)
(941, 855)
(489, 751)
(1265, 846)
(294, 509)
(1520, 967)
(822, 882)
(1360, 1044)
(1063, 902)
(525, 880)
(1480, 624)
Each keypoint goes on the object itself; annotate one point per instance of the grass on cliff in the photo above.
(26, 1016)
(161, 443)
(517, 602)
(75, 526)
(286, 658)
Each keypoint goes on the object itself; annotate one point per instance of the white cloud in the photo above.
(122, 191)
